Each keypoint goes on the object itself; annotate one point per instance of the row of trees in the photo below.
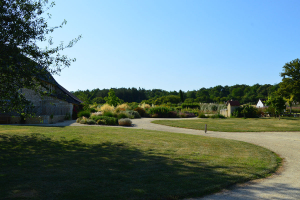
(243, 93)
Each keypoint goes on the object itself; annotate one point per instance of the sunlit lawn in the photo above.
(237, 124)
(117, 163)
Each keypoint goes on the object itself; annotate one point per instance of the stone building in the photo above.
(56, 106)
(231, 106)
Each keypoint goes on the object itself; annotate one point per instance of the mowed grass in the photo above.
(237, 124)
(117, 163)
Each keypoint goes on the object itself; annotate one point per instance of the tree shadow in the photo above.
(38, 167)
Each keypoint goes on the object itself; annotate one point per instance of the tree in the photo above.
(23, 64)
(277, 103)
(290, 84)
(112, 99)
(181, 96)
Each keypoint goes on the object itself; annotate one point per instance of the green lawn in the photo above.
(237, 124)
(117, 163)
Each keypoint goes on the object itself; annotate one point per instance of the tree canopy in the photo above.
(23, 63)
(290, 84)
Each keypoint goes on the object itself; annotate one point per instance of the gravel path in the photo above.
(281, 186)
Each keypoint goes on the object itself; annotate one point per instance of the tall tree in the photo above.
(290, 84)
(23, 63)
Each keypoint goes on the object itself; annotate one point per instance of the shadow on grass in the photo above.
(38, 167)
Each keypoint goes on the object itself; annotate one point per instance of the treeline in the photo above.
(242, 93)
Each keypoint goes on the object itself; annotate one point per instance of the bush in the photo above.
(107, 107)
(92, 110)
(133, 114)
(78, 120)
(217, 116)
(101, 122)
(108, 114)
(173, 114)
(159, 111)
(141, 111)
(90, 121)
(122, 115)
(190, 105)
(186, 114)
(247, 111)
(105, 120)
(84, 113)
(125, 122)
(202, 115)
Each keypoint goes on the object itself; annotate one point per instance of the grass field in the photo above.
(237, 124)
(116, 163)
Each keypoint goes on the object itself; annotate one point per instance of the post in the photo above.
(205, 128)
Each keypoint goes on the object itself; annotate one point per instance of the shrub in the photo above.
(124, 106)
(122, 115)
(92, 110)
(186, 114)
(90, 121)
(247, 111)
(133, 114)
(202, 115)
(100, 122)
(145, 106)
(217, 116)
(190, 105)
(105, 120)
(160, 111)
(108, 114)
(125, 122)
(84, 113)
(173, 114)
(107, 107)
(78, 120)
(141, 111)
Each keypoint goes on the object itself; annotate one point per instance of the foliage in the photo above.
(133, 114)
(186, 114)
(181, 96)
(173, 99)
(125, 122)
(112, 99)
(217, 116)
(290, 84)
(246, 111)
(159, 111)
(202, 115)
(107, 120)
(277, 103)
(190, 105)
(172, 114)
(84, 113)
(123, 106)
(141, 111)
(122, 115)
(108, 114)
(98, 100)
(23, 63)
(107, 107)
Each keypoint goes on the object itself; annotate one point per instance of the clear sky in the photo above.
(173, 45)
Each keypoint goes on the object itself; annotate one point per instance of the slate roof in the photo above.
(61, 92)
(233, 103)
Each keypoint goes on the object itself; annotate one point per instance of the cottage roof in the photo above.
(233, 103)
(62, 93)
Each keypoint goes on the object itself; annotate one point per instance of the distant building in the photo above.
(260, 104)
(231, 106)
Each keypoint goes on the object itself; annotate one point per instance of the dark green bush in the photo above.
(190, 105)
(159, 111)
(122, 115)
(133, 113)
(247, 111)
(141, 111)
(110, 114)
(217, 116)
(92, 110)
(84, 113)
(202, 115)
(105, 119)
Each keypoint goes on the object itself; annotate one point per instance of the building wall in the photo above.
(47, 105)
(43, 119)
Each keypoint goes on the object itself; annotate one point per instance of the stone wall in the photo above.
(47, 105)
(43, 119)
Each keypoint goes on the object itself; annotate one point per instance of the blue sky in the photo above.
(173, 45)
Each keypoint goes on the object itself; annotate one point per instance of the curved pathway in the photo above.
(285, 185)
(281, 186)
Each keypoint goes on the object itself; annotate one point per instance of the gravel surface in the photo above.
(281, 186)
